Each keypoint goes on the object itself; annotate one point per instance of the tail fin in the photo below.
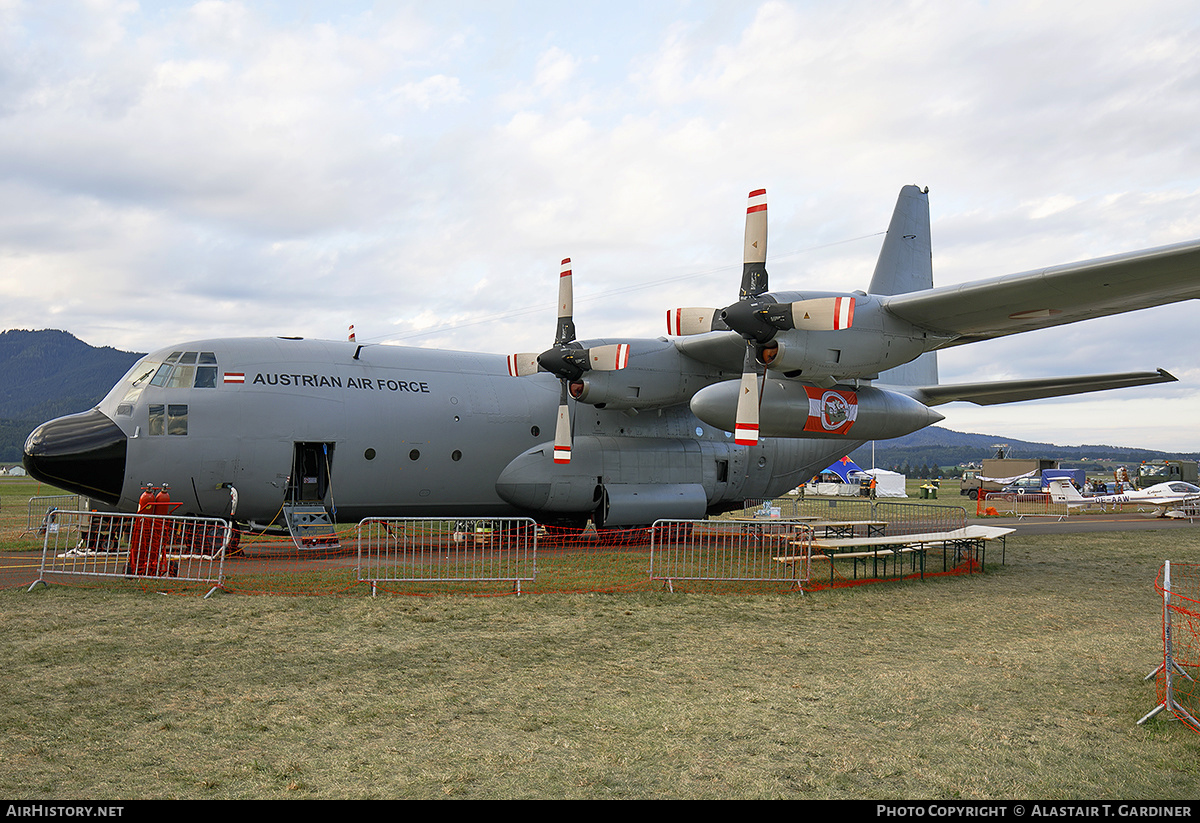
(906, 264)
(906, 260)
(1062, 490)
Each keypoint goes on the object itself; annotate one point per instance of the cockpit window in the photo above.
(181, 377)
(138, 378)
(180, 371)
(206, 377)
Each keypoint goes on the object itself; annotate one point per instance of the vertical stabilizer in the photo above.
(906, 264)
(906, 259)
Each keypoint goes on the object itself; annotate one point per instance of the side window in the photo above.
(177, 419)
(158, 419)
(168, 419)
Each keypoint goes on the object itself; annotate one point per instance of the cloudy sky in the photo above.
(177, 170)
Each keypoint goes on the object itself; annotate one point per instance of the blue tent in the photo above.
(842, 468)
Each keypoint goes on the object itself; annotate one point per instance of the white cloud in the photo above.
(216, 165)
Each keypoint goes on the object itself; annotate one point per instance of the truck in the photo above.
(1153, 472)
(998, 472)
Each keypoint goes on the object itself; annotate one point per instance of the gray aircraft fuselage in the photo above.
(392, 431)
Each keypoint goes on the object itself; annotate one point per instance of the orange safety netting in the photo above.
(1179, 586)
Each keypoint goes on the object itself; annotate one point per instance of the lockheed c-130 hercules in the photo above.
(737, 403)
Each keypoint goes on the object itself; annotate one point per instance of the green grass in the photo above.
(1024, 682)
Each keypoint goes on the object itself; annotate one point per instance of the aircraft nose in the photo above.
(82, 453)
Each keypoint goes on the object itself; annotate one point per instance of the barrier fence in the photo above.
(468, 556)
(84, 544)
(900, 518)
(40, 509)
(728, 550)
(412, 550)
(1179, 585)
(1022, 505)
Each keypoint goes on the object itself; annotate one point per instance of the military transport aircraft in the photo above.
(740, 402)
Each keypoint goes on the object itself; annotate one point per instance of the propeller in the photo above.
(567, 360)
(743, 317)
(758, 317)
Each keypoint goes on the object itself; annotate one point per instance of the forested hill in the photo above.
(46, 374)
(936, 446)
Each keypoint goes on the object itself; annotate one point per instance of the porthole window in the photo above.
(414, 455)
(535, 431)
(456, 455)
(369, 454)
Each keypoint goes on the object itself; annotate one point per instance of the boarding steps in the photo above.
(311, 527)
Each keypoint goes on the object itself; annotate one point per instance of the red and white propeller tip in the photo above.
(823, 313)
(745, 427)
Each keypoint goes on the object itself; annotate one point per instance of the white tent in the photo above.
(887, 484)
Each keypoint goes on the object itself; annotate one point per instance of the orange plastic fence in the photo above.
(1179, 586)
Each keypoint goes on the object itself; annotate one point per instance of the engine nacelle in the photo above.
(875, 343)
(629, 504)
(658, 375)
(630, 388)
(793, 409)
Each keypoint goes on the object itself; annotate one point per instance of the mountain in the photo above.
(936, 446)
(49, 373)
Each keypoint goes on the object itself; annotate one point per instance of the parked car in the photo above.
(1024, 485)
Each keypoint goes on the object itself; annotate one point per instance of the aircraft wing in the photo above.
(1054, 296)
(723, 349)
(1012, 391)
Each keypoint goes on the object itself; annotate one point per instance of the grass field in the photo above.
(1025, 682)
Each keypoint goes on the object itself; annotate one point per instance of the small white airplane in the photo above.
(1167, 498)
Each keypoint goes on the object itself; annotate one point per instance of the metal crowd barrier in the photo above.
(420, 550)
(40, 509)
(767, 508)
(95, 544)
(730, 550)
(901, 518)
(1025, 505)
(919, 518)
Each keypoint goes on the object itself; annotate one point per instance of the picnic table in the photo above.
(847, 528)
(969, 541)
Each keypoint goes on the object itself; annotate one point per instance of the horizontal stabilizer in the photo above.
(1013, 391)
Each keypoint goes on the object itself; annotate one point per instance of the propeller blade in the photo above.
(562, 430)
(566, 301)
(745, 426)
(609, 358)
(522, 365)
(754, 267)
(696, 320)
(823, 313)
